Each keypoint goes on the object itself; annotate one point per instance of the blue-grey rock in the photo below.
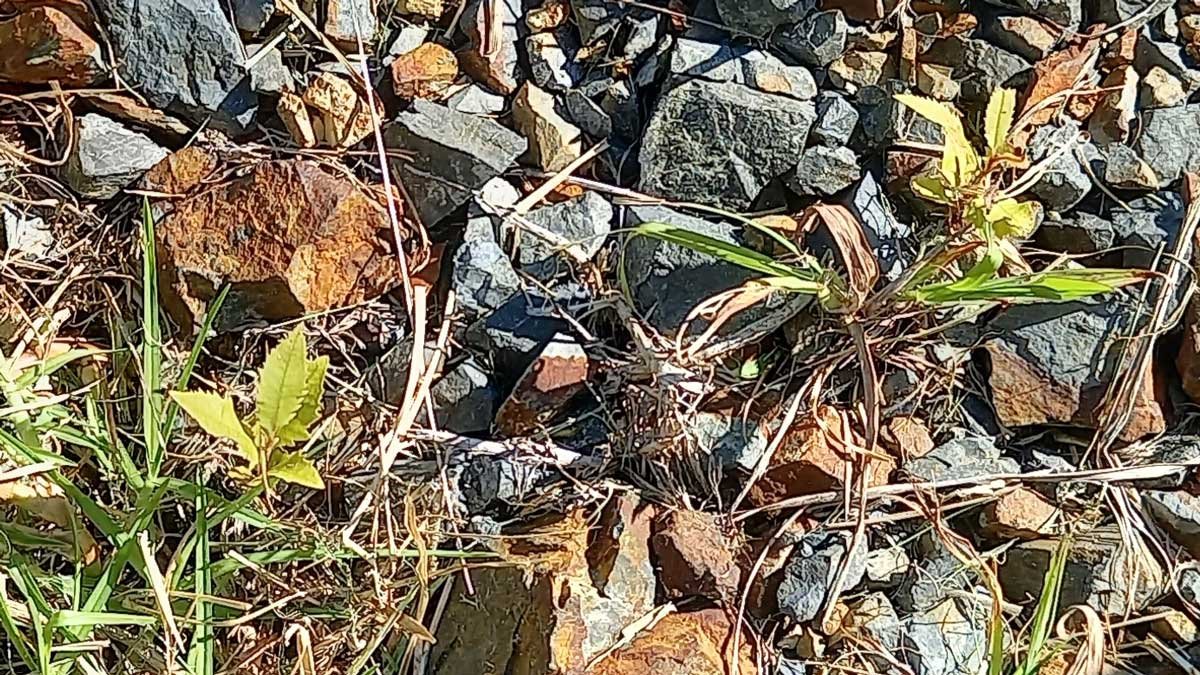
(934, 575)
(960, 459)
(464, 400)
(753, 68)
(407, 39)
(824, 171)
(251, 16)
(817, 40)
(836, 120)
(106, 157)
(475, 100)
(269, 75)
(1169, 56)
(1122, 168)
(946, 640)
(451, 154)
(1066, 13)
(1178, 513)
(586, 114)
(485, 483)
(583, 222)
(1150, 223)
(890, 239)
(734, 440)
(482, 277)
(885, 121)
(1167, 141)
(721, 143)
(511, 337)
(643, 35)
(1077, 232)
(979, 66)
(1065, 182)
(552, 63)
(759, 17)
(1122, 11)
(184, 57)
(811, 572)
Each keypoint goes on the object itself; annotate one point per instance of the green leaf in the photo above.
(314, 388)
(931, 188)
(282, 382)
(999, 119)
(1055, 286)
(1012, 219)
(937, 112)
(960, 162)
(215, 414)
(294, 467)
(723, 250)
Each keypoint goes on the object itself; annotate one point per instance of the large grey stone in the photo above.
(946, 640)
(482, 277)
(825, 171)
(464, 399)
(1101, 571)
(107, 157)
(734, 440)
(1178, 512)
(668, 280)
(1123, 11)
(583, 223)
(1065, 182)
(836, 120)
(758, 17)
(1065, 13)
(934, 576)
(1168, 141)
(251, 16)
(961, 458)
(753, 68)
(476, 100)
(812, 569)
(817, 40)
(890, 239)
(183, 56)
(1149, 224)
(979, 66)
(452, 154)
(721, 143)
(885, 121)
(552, 62)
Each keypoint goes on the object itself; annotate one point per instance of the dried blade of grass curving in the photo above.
(862, 270)
(1056, 78)
(1089, 660)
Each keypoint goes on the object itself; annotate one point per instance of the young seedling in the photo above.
(968, 185)
(290, 387)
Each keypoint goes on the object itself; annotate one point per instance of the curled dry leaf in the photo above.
(862, 269)
(1055, 79)
(722, 307)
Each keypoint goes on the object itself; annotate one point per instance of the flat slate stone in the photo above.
(1169, 141)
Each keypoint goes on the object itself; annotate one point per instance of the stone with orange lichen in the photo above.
(343, 114)
(550, 383)
(815, 456)
(64, 51)
(695, 643)
(426, 72)
(907, 436)
(1021, 514)
(290, 238)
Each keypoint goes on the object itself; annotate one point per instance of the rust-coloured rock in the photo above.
(43, 44)
(547, 386)
(290, 237)
(1020, 514)
(425, 72)
(696, 558)
(808, 461)
(344, 118)
(907, 436)
(696, 643)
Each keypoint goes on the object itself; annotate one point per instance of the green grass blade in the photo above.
(15, 637)
(193, 356)
(67, 618)
(1046, 611)
(200, 656)
(723, 250)
(151, 349)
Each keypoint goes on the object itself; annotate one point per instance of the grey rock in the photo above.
(452, 154)
(1150, 222)
(1178, 512)
(552, 64)
(619, 102)
(823, 170)
(1078, 232)
(485, 482)
(583, 223)
(980, 66)
(654, 63)
(1167, 141)
(1189, 584)
(720, 143)
(25, 234)
(643, 35)
(409, 38)
(1122, 11)
(1065, 183)
(811, 571)
(960, 459)
(106, 157)
(1065, 13)
(887, 565)
(597, 18)
(1182, 450)
(817, 40)
(464, 400)
(588, 115)
(184, 57)
(945, 640)
(1101, 571)
(932, 577)
(753, 68)
(836, 120)
(885, 121)
(251, 16)
(347, 21)
(1169, 56)
(875, 618)
(1124, 169)
(269, 75)
(890, 239)
(788, 666)
(511, 337)
(734, 440)
(482, 276)
(758, 17)
(668, 280)
(475, 100)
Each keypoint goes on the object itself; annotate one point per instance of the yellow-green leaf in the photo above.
(999, 119)
(930, 188)
(1010, 218)
(937, 112)
(960, 162)
(314, 389)
(294, 467)
(282, 383)
(215, 414)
